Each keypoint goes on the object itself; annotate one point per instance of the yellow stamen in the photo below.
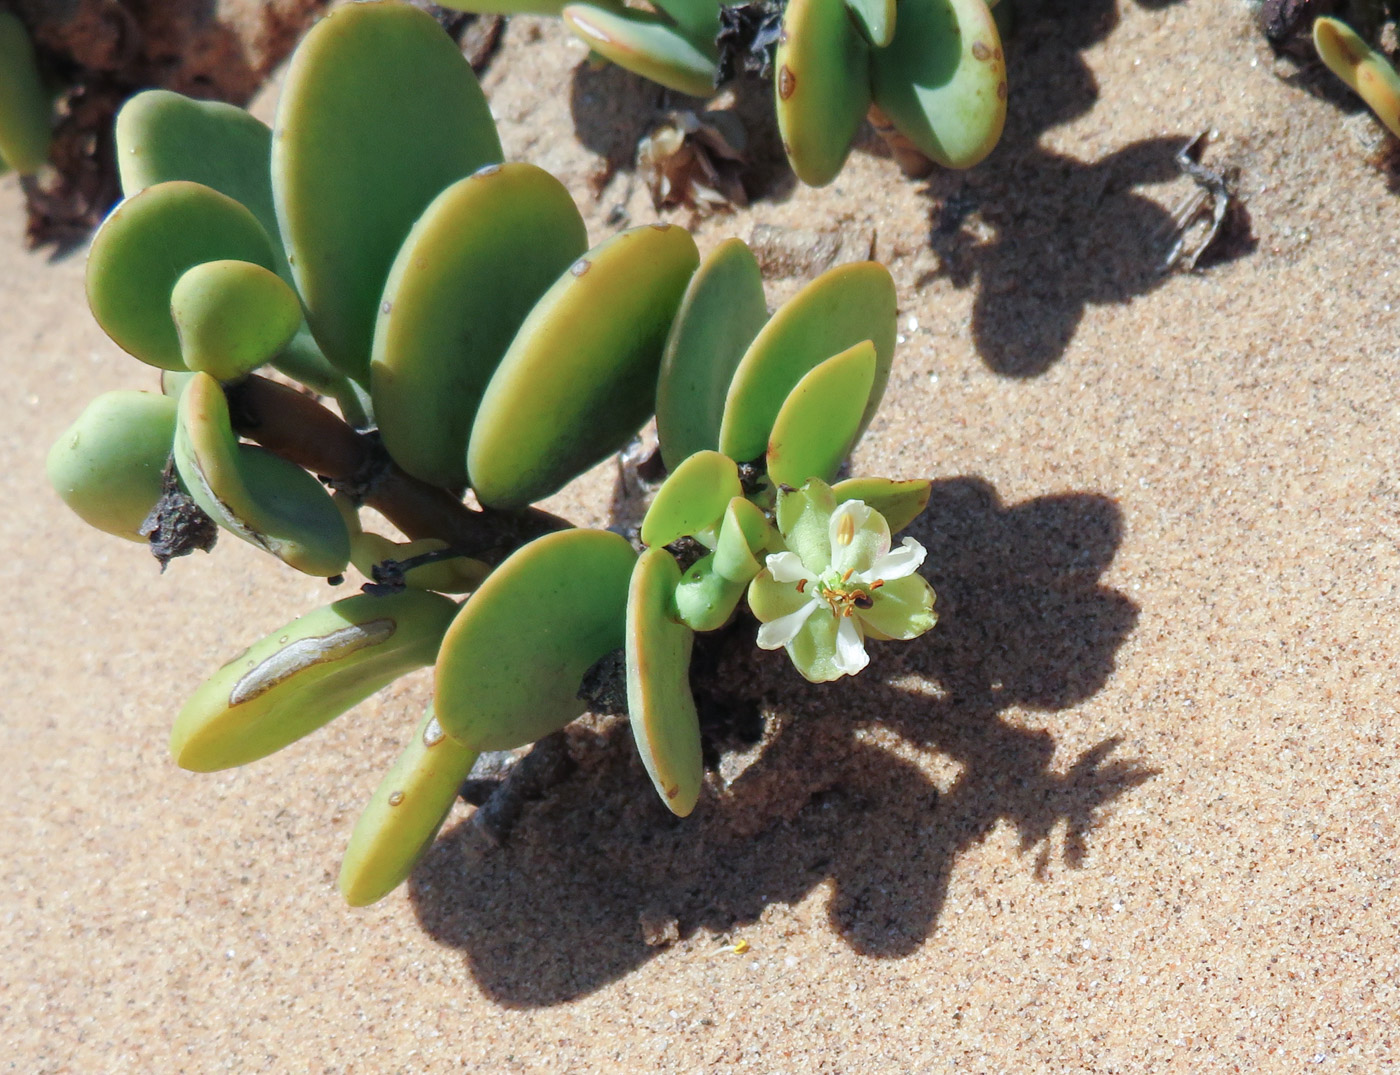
(846, 529)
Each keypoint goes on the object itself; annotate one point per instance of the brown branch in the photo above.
(295, 426)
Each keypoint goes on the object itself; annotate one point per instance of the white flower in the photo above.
(837, 585)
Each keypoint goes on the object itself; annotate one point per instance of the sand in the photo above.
(1130, 807)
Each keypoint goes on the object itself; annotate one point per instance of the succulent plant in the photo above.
(377, 250)
(930, 73)
(1365, 69)
(25, 109)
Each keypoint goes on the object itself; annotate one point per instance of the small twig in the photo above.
(301, 430)
(1215, 193)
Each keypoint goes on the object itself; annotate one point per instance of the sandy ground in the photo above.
(1132, 806)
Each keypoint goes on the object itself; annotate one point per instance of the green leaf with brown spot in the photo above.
(900, 502)
(665, 725)
(402, 817)
(822, 84)
(942, 81)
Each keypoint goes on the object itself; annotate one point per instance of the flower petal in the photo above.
(859, 537)
(902, 608)
(850, 647)
(787, 567)
(813, 651)
(768, 599)
(778, 633)
(905, 560)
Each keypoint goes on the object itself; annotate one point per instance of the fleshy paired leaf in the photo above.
(26, 113)
(705, 599)
(803, 516)
(900, 502)
(108, 465)
(723, 310)
(298, 678)
(1364, 69)
(232, 317)
(822, 86)
(692, 498)
(942, 81)
(837, 310)
(697, 19)
(472, 268)
(402, 817)
(665, 725)
(743, 536)
(580, 377)
(513, 660)
(163, 135)
(258, 496)
(648, 45)
(146, 244)
(379, 113)
(817, 425)
(875, 18)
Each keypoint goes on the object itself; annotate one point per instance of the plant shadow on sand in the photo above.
(1044, 235)
(557, 912)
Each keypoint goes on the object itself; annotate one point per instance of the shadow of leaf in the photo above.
(557, 913)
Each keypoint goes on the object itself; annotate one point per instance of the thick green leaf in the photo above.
(108, 465)
(692, 498)
(379, 113)
(474, 265)
(665, 725)
(900, 502)
(1364, 69)
(719, 317)
(26, 113)
(822, 85)
(817, 425)
(403, 816)
(514, 658)
(647, 45)
(705, 599)
(255, 495)
(580, 378)
(697, 19)
(835, 311)
(942, 81)
(312, 670)
(232, 317)
(146, 244)
(743, 536)
(875, 18)
(163, 135)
